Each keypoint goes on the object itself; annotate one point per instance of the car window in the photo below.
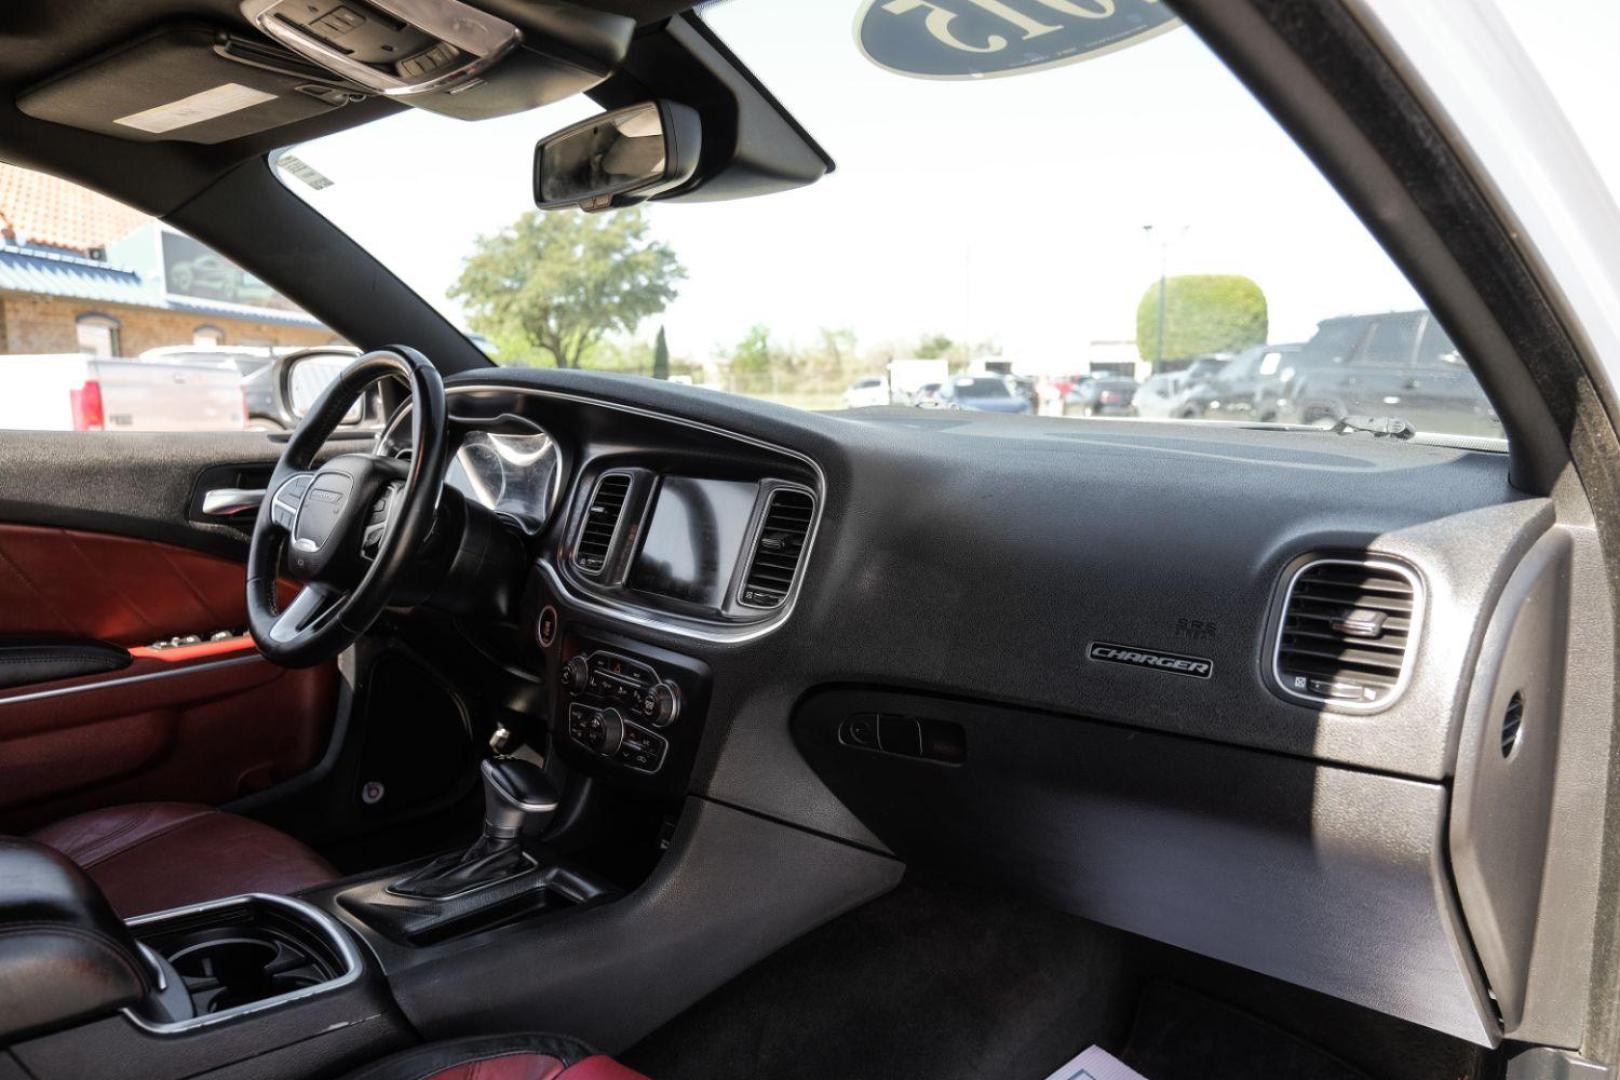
(101, 312)
(1336, 340)
(1389, 343)
(1209, 233)
(981, 388)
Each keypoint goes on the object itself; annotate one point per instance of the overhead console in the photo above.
(207, 83)
(448, 56)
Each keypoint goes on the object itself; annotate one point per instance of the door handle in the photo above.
(229, 502)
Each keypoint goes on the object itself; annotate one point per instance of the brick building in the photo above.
(82, 273)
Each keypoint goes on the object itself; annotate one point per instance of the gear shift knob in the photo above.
(519, 799)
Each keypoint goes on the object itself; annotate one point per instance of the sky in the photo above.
(1010, 210)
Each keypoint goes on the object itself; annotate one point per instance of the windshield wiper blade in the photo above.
(1381, 427)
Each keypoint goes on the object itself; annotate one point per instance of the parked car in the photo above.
(1246, 388)
(1400, 365)
(866, 392)
(74, 392)
(907, 376)
(983, 393)
(1100, 397)
(1160, 396)
(1206, 366)
(1026, 387)
(927, 395)
(258, 369)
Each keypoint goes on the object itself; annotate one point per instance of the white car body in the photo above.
(75, 392)
(906, 377)
(1160, 396)
(869, 391)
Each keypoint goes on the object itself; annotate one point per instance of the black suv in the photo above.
(1400, 364)
(1245, 389)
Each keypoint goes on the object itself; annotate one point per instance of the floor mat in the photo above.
(1180, 1034)
(935, 983)
(938, 981)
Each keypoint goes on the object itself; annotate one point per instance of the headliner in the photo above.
(44, 37)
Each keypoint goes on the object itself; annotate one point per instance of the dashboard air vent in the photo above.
(601, 522)
(1347, 630)
(778, 549)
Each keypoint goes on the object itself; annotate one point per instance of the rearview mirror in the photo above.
(617, 158)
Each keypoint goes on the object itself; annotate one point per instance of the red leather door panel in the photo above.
(201, 724)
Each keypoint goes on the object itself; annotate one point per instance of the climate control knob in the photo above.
(662, 704)
(576, 674)
(606, 738)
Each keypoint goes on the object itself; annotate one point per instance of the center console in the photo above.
(246, 985)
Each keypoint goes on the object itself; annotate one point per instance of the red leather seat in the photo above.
(501, 1057)
(155, 856)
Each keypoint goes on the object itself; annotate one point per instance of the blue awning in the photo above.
(39, 272)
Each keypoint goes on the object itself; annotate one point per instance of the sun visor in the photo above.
(187, 83)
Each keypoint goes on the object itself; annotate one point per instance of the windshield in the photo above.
(1132, 214)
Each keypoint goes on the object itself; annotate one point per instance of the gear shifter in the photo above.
(519, 800)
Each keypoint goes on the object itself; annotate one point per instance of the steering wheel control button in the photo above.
(546, 627)
(284, 507)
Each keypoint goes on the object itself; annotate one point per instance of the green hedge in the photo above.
(1204, 313)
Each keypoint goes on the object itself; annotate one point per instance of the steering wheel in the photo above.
(349, 529)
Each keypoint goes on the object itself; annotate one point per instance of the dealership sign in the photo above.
(968, 39)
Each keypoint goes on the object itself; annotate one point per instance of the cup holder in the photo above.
(247, 951)
(229, 960)
(229, 971)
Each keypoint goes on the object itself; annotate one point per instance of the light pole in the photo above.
(1164, 262)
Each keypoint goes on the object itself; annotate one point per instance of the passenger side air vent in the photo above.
(778, 549)
(601, 523)
(1347, 630)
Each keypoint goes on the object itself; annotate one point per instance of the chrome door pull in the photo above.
(228, 502)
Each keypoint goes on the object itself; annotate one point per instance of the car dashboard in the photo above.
(1242, 691)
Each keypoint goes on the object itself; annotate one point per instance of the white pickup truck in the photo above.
(73, 392)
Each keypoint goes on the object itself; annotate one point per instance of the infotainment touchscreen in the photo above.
(694, 538)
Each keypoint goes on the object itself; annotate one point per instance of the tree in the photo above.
(752, 361)
(561, 281)
(933, 347)
(1203, 313)
(660, 356)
